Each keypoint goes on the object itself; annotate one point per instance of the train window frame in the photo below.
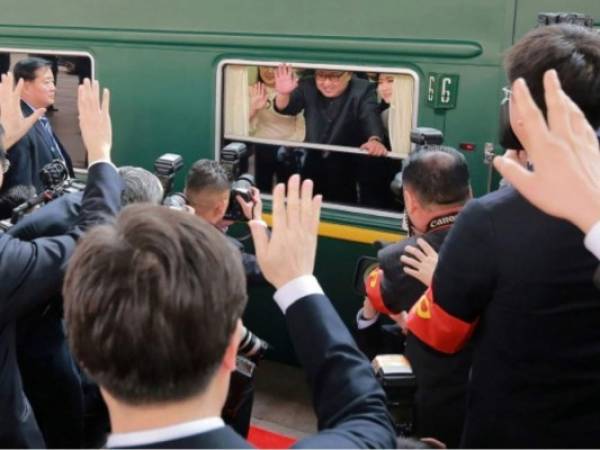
(59, 52)
(220, 136)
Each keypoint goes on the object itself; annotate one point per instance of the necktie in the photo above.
(54, 147)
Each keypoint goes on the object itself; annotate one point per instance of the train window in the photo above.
(69, 70)
(321, 121)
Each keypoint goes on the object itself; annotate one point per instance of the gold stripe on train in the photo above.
(350, 233)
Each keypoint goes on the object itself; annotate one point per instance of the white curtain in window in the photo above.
(237, 107)
(401, 114)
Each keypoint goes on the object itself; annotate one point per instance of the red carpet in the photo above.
(261, 438)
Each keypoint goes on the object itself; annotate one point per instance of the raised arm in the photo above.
(289, 99)
(349, 403)
(32, 271)
(14, 124)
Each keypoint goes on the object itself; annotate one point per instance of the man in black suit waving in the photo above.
(158, 327)
(32, 271)
(39, 145)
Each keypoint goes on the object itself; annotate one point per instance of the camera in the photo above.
(252, 347)
(242, 187)
(424, 138)
(55, 181)
(166, 168)
(242, 184)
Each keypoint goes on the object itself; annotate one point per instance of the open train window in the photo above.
(321, 128)
(69, 70)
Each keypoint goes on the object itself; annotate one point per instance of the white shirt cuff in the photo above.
(294, 290)
(363, 323)
(107, 161)
(592, 240)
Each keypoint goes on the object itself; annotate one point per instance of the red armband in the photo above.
(435, 327)
(373, 289)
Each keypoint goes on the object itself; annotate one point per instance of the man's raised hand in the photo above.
(285, 79)
(291, 250)
(11, 116)
(564, 152)
(94, 120)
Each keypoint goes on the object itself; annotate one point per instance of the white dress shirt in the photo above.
(285, 297)
(170, 433)
(592, 240)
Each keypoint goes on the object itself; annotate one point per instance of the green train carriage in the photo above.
(165, 63)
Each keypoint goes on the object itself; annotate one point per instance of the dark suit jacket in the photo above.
(349, 120)
(348, 400)
(28, 156)
(31, 273)
(53, 219)
(523, 281)
(50, 377)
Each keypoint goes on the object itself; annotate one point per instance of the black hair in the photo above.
(437, 176)
(573, 51)
(26, 68)
(207, 174)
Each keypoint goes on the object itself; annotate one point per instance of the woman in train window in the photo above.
(389, 98)
(266, 123)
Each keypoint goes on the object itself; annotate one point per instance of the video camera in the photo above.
(55, 181)
(241, 185)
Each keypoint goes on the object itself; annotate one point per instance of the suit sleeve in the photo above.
(445, 316)
(297, 101)
(348, 400)
(32, 271)
(54, 219)
(369, 116)
(389, 288)
(20, 156)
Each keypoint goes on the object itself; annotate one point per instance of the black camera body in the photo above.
(166, 168)
(241, 186)
(55, 181)
(423, 138)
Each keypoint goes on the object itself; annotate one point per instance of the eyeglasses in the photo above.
(331, 76)
(507, 94)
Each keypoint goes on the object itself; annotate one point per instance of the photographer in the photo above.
(32, 271)
(208, 191)
(436, 187)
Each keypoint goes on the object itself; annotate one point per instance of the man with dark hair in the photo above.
(40, 145)
(208, 190)
(435, 188)
(519, 283)
(32, 271)
(51, 380)
(159, 327)
(339, 109)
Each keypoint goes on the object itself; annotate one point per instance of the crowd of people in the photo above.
(500, 327)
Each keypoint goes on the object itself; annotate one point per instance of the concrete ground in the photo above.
(282, 403)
